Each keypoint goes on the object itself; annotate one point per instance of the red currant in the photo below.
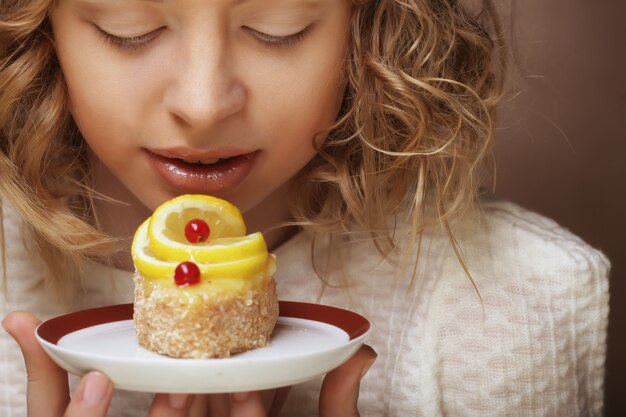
(187, 273)
(197, 230)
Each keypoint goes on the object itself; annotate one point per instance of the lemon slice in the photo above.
(220, 249)
(227, 240)
(150, 265)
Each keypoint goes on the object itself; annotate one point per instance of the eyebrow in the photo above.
(307, 3)
(161, 1)
(237, 2)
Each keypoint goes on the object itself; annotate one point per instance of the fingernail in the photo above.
(240, 396)
(178, 401)
(367, 367)
(96, 387)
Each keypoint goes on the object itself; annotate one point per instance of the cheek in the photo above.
(299, 106)
(301, 99)
(106, 90)
(91, 93)
(102, 96)
(99, 90)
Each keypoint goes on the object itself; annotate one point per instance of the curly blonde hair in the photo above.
(423, 80)
(44, 169)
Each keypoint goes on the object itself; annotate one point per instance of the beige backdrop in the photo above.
(562, 149)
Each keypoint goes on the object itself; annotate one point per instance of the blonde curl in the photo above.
(423, 80)
(43, 166)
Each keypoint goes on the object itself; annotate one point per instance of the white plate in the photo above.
(309, 340)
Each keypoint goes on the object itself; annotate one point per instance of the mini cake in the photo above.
(203, 288)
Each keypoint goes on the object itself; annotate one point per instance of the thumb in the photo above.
(340, 389)
(92, 396)
(47, 388)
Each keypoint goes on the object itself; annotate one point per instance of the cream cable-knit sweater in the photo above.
(534, 347)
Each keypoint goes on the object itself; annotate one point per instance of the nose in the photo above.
(204, 89)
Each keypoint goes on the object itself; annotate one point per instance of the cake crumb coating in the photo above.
(168, 324)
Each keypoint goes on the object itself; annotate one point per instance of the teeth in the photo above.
(204, 162)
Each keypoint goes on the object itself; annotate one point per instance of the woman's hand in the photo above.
(338, 397)
(340, 389)
(47, 389)
(48, 392)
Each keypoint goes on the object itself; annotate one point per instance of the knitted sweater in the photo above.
(532, 344)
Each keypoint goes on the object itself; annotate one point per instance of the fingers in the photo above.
(247, 404)
(170, 405)
(243, 404)
(47, 389)
(92, 396)
(280, 397)
(200, 407)
(218, 405)
(340, 389)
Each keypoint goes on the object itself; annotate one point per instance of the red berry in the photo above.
(197, 230)
(187, 273)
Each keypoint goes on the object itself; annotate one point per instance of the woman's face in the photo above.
(221, 97)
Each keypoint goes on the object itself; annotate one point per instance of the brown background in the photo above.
(562, 149)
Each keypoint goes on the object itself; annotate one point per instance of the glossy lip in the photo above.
(204, 179)
(195, 155)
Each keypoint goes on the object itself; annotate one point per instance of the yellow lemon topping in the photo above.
(228, 260)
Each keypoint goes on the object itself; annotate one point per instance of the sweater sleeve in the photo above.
(23, 288)
(18, 277)
(535, 345)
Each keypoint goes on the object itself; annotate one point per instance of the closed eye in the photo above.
(130, 43)
(277, 41)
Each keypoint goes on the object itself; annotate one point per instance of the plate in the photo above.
(308, 340)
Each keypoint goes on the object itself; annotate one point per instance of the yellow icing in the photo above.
(229, 260)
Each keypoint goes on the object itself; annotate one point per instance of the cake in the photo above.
(203, 287)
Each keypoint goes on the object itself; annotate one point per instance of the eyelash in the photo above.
(278, 41)
(138, 42)
(133, 43)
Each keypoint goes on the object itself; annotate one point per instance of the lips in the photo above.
(201, 174)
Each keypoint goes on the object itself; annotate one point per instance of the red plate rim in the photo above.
(54, 329)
